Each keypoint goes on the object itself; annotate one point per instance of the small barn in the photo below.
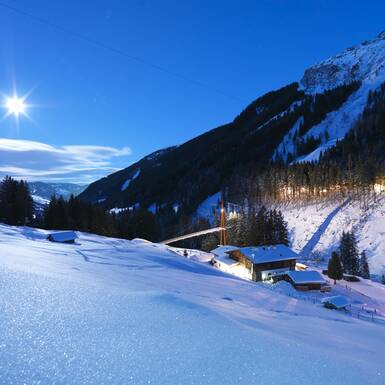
(305, 280)
(63, 237)
(337, 302)
(264, 262)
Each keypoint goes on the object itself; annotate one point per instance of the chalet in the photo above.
(264, 262)
(306, 280)
(63, 237)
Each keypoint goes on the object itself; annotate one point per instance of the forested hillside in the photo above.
(187, 174)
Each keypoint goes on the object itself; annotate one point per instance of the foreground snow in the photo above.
(109, 311)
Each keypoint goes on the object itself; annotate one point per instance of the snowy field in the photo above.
(109, 311)
(317, 228)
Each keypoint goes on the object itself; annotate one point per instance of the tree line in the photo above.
(257, 227)
(17, 208)
(16, 204)
(253, 227)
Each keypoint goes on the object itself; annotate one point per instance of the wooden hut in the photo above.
(63, 237)
(337, 302)
(305, 280)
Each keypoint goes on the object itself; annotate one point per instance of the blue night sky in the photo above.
(93, 110)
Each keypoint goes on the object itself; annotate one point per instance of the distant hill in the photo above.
(43, 191)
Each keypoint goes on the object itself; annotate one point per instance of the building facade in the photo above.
(264, 262)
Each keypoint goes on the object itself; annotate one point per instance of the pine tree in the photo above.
(334, 267)
(349, 253)
(364, 266)
(16, 204)
(8, 190)
(354, 255)
(282, 232)
(261, 227)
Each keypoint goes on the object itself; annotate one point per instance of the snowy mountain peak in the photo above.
(381, 35)
(364, 62)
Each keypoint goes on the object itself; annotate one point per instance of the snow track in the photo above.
(316, 227)
(311, 244)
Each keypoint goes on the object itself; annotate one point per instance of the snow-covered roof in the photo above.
(338, 301)
(226, 260)
(63, 236)
(263, 254)
(308, 276)
(221, 250)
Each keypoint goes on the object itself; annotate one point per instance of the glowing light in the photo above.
(379, 188)
(15, 106)
(233, 215)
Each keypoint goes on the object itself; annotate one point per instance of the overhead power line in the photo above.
(115, 50)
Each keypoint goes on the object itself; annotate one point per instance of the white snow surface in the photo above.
(264, 254)
(209, 207)
(63, 236)
(129, 180)
(338, 301)
(364, 62)
(338, 123)
(287, 144)
(118, 210)
(40, 200)
(112, 311)
(307, 276)
(316, 228)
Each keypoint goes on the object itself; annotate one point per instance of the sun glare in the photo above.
(15, 105)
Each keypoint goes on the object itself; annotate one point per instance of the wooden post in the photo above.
(222, 233)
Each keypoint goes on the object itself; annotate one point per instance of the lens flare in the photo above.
(15, 106)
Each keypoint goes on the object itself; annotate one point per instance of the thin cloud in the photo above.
(73, 163)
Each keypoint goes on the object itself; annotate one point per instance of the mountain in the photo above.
(43, 191)
(187, 174)
(46, 190)
(295, 124)
(309, 146)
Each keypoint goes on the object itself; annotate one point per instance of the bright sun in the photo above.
(15, 106)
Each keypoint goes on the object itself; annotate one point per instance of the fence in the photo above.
(362, 313)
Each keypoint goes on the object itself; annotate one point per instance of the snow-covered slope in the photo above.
(316, 228)
(45, 190)
(365, 63)
(110, 311)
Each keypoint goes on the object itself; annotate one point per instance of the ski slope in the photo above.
(111, 311)
(316, 228)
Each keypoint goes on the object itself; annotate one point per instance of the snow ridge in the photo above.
(365, 63)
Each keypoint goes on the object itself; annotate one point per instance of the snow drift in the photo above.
(114, 311)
